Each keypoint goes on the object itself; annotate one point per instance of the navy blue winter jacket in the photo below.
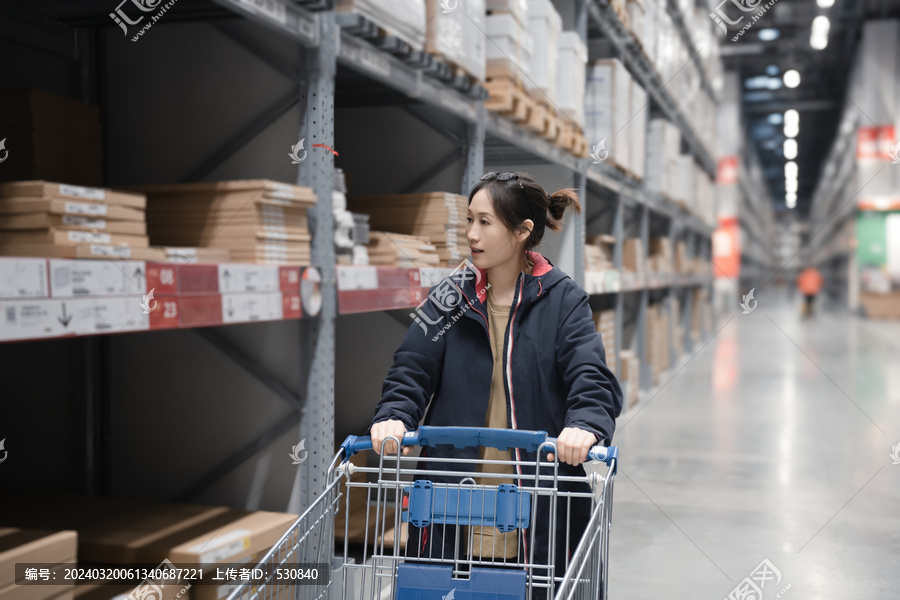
(554, 364)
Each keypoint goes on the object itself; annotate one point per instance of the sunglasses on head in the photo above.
(504, 176)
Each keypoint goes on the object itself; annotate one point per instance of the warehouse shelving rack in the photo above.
(345, 290)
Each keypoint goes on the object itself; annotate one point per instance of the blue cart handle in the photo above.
(460, 437)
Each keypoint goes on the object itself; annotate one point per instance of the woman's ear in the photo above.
(527, 228)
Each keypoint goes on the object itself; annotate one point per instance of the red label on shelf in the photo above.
(289, 278)
(161, 278)
(165, 315)
(875, 142)
(727, 172)
(197, 311)
(292, 308)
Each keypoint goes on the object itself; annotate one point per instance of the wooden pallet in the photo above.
(509, 100)
(543, 121)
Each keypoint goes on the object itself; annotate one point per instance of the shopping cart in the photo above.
(406, 497)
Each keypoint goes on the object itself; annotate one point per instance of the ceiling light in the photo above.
(790, 170)
(791, 78)
(818, 37)
(791, 123)
(768, 34)
(790, 185)
(825, 3)
(791, 197)
(790, 149)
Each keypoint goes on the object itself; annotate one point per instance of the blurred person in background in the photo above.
(809, 282)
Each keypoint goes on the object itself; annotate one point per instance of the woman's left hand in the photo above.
(573, 445)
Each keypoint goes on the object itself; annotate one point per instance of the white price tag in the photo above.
(23, 278)
(35, 319)
(240, 308)
(248, 278)
(114, 315)
(73, 278)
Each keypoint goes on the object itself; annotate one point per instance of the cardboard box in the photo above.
(881, 306)
(34, 546)
(457, 37)
(633, 255)
(51, 137)
(608, 109)
(48, 189)
(637, 128)
(509, 48)
(126, 531)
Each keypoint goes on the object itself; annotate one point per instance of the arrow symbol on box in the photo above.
(138, 272)
(64, 319)
(230, 308)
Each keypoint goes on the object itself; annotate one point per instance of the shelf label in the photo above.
(82, 208)
(431, 276)
(35, 319)
(356, 278)
(240, 308)
(23, 278)
(248, 278)
(72, 278)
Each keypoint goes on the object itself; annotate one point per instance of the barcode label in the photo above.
(80, 208)
(84, 221)
(82, 192)
(11, 314)
(83, 236)
(61, 277)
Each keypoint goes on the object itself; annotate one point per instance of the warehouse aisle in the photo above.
(773, 443)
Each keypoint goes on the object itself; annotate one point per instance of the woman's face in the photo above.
(485, 232)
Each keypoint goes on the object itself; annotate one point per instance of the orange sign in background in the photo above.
(727, 248)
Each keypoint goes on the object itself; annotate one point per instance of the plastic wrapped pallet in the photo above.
(570, 76)
(457, 36)
(651, 7)
(661, 168)
(544, 26)
(685, 182)
(607, 108)
(516, 8)
(404, 19)
(636, 13)
(509, 49)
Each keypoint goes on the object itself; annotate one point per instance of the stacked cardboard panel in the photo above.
(258, 221)
(40, 218)
(398, 250)
(630, 377)
(438, 216)
(658, 337)
(50, 137)
(55, 548)
(681, 259)
(677, 328)
(605, 321)
(125, 531)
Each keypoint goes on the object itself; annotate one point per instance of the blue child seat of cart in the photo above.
(505, 507)
(435, 582)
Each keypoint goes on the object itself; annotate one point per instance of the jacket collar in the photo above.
(543, 276)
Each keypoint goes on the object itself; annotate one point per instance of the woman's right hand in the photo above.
(385, 429)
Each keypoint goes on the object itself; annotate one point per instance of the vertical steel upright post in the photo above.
(579, 222)
(317, 172)
(474, 167)
(618, 231)
(643, 351)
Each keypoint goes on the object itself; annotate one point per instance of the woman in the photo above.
(517, 348)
